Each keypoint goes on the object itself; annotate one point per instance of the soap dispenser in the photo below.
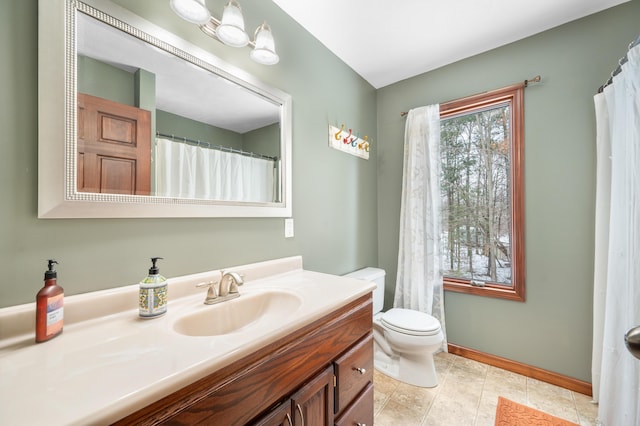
(49, 306)
(153, 293)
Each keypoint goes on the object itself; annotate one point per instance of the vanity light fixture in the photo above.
(230, 29)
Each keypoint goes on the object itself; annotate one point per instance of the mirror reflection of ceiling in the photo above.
(181, 87)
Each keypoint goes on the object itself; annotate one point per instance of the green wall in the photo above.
(173, 124)
(346, 209)
(265, 140)
(552, 330)
(105, 81)
(334, 194)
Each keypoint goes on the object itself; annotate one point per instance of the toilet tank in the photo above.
(377, 276)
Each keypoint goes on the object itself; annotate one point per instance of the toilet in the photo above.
(404, 340)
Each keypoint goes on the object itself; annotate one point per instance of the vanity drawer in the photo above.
(360, 412)
(353, 370)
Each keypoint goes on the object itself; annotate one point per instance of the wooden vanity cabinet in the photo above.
(312, 405)
(268, 386)
(343, 391)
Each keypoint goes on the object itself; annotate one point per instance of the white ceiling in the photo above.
(386, 41)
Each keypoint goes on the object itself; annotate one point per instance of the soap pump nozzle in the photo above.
(154, 270)
(51, 273)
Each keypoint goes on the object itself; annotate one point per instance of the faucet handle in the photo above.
(212, 292)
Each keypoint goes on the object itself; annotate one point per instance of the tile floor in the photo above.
(467, 394)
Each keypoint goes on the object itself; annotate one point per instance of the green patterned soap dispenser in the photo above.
(153, 293)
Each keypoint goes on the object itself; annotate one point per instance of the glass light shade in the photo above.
(194, 11)
(265, 47)
(231, 30)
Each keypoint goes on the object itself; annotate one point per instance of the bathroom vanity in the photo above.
(295, 348)
(290, 380)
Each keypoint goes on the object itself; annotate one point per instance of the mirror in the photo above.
(152, 126)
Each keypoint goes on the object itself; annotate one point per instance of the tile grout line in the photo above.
(575, 407)
(439, 387)
(384, 404)
(484, 383)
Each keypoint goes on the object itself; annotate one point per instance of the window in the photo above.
(482, 191)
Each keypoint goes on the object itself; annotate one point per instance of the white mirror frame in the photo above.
(57, 129)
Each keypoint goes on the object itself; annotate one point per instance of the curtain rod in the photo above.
(621, 62)
(525, 83)
(218, 147)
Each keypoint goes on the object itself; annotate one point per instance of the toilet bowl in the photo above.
(404, 340)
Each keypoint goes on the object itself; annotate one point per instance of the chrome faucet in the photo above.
(225, 289)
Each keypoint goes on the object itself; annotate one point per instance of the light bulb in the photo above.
(265, 48)
(231, 29)
(194, 11)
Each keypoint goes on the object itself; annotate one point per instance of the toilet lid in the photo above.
(408, 321)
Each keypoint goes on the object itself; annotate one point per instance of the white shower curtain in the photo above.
(187, 171)
(615, 372)
(419, 280)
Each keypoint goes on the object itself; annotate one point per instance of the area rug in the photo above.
(511, 413)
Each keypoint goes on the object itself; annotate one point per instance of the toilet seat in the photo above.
(408, 321)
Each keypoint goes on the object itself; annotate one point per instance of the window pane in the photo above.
(476, 196)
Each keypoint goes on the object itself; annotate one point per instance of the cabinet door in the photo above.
(354, 371)
(312, 405)
(279, 416)
(360, 412)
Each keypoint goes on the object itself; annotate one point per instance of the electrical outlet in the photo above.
(288, 228)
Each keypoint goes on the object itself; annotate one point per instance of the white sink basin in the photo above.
(248, 312)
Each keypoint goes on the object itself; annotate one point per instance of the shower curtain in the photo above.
(187, 171)
(615, 372)
(419, 280)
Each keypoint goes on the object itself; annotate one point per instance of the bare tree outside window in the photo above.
(476, 206)
(482, 194)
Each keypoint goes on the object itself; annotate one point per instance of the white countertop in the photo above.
(109, 363)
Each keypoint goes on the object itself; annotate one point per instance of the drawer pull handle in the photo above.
(361, 424)
(289, 419)
(361, 371)
(301, 415)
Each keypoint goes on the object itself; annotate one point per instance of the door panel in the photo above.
(114, 147)
(313, 404)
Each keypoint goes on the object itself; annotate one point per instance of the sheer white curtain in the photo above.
(616, 373)
(188, 171)
(419, 280)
